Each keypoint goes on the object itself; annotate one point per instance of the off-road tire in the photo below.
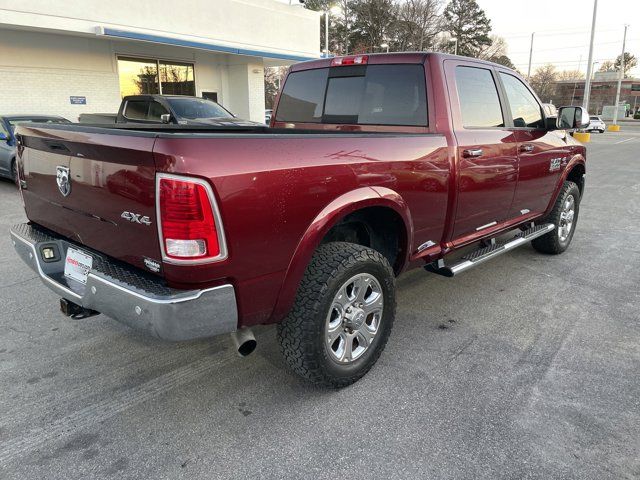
(302, 334)
(551, 243)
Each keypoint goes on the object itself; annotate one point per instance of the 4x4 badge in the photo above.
(63, 180)
(136, 218)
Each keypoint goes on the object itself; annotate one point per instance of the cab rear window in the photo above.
(371, 95)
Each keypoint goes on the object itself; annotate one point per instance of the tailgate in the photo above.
(97, 189)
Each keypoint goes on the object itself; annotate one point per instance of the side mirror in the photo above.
(165, 118)
(3, 137)
(571, 118)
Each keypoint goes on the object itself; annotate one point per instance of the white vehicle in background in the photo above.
(267, 115)
(550, 109)
(596, 124)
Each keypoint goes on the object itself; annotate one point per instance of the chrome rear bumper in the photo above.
(127, 294)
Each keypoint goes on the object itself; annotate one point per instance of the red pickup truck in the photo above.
(373, 164)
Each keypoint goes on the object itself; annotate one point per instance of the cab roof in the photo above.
(390, 58)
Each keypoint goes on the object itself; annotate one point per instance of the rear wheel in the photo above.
(342, 316)
(565, 217)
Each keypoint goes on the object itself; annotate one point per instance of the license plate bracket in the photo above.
(77, 265)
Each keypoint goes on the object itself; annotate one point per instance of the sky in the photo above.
(562, 29)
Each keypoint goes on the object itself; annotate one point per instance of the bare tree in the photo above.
(607, 66)
(373, 24)
(273, 77)
(417, 25)
(339, 24)
(544, 81)
(566, 75)
(497, 47)
(496, 52)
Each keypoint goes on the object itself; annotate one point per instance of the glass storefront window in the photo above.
(138, 76)
(177, 79)
(143, 76)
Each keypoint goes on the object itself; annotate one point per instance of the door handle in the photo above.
(472, 152)
(57, 147)
(527, 147)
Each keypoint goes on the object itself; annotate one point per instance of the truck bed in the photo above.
(270, 185)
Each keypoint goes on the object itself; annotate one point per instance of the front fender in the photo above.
(330, 215)
(577, 159)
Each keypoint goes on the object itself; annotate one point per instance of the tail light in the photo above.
(352, 60)
(188, 221)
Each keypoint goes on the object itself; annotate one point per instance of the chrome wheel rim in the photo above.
(354, 318)
(566, 218)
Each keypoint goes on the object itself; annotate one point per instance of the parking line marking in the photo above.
(79, 420)
(622, 141)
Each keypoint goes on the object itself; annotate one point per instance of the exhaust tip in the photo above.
(244, 341)
(247, 348)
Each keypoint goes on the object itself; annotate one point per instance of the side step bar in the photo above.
(481, 255)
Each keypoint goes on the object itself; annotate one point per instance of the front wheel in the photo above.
(565, 217)
(342, 316)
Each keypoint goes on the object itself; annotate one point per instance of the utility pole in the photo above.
(587, 83)
(575, 84)
(530, 56)
(455, 47)
(620, 75)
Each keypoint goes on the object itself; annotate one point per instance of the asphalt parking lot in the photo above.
(527, 367)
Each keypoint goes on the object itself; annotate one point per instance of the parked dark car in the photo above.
(8, 140)
(168, 109)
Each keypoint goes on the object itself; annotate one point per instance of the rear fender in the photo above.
(330, 215)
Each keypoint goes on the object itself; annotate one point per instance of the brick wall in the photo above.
(47, 91)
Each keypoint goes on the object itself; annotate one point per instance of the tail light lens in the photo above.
(190, 227)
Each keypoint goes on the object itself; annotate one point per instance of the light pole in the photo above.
(587, 84)
(385, 45)
(335, 10)
(455, 47)
(620, 75)
(326, 33)
(530, 56)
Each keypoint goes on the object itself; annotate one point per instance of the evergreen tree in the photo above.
(467, 23)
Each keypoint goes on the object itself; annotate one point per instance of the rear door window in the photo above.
(371, 95)
(479, 101)
(136, 109)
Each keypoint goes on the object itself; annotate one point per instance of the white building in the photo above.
(67, 57)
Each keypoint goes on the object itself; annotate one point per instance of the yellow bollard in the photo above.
(613, 128)
(583, 137)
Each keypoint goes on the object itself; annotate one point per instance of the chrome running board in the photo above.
(483, 254)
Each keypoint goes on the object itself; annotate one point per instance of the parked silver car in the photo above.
(8, 140)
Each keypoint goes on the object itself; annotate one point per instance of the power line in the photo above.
(559, 63)
(535, 50)
(547, 33)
